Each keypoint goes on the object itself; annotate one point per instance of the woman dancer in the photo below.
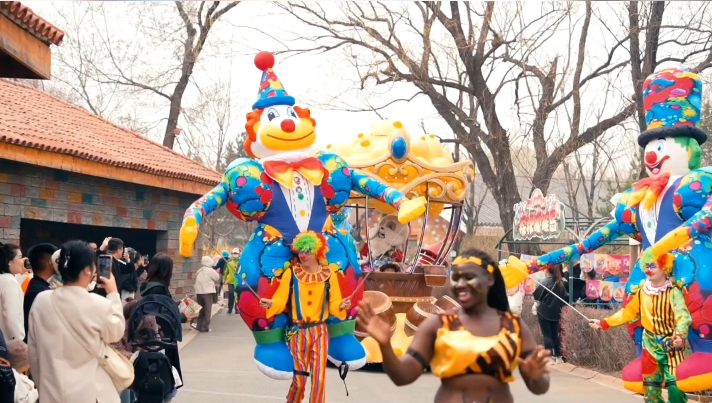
(474, 350)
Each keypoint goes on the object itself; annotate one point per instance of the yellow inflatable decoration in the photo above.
(417, 166)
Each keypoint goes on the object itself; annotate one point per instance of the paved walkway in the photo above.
(218, 368)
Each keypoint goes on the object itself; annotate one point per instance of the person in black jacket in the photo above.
(40, 257)
(115, 248)
(158, 282)
(549, 308)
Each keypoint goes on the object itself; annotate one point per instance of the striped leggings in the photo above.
(309, 349)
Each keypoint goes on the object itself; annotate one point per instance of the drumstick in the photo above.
(360, 284)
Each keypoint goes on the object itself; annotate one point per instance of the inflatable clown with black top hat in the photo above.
(287, 188)
(669, 211)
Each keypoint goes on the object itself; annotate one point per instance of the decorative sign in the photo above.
(606, 265)
(607, 291)
(539, 217)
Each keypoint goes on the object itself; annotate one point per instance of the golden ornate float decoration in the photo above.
(415, 165)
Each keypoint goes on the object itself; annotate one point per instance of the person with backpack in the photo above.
(549, 309)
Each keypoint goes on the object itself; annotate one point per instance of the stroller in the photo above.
(153, 370)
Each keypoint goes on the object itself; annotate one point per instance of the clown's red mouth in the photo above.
(655, 168)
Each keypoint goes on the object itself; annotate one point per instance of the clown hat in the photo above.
(672, 100)
(271, 90)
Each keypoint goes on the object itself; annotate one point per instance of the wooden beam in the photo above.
(71, 163)
(26, 49)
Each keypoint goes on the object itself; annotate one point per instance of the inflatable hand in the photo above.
(514, 272)
(409, 210)
(188, 235)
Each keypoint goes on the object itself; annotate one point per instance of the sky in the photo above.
(317, 81)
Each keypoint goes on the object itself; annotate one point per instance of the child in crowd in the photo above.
(661, 308)
(25, 391)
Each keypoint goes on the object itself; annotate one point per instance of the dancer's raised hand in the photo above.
(537, 364)
(376, 327)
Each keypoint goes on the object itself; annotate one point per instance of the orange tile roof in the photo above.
(27, 19)
(35, 119)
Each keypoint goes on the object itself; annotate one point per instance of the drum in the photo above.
(435, 276)
(420, 311)
(447, 303)
(382, 306)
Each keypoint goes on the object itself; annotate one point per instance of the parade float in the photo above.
(418, 166)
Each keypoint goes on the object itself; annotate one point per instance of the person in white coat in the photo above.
(64, 370)
(205, 289)
(12, 319)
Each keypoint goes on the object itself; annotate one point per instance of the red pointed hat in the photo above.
(271, 90)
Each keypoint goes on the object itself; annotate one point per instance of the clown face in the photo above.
(281, 130)
(666, 155)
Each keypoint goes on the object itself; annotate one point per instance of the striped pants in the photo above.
(309, 348)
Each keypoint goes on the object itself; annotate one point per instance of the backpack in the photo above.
(153, 377)
(7, 377)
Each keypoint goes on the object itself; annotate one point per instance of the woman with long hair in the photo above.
(12, 319)
(158, 282)
(475, 349)
(69, 327)
(549, 308)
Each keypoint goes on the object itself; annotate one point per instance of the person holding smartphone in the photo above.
(113, 247)
(95, 323)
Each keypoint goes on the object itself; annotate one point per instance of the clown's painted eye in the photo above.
(291, 113)
(272, 113)
(660, 146)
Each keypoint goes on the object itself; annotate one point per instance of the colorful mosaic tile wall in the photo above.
(37, 193)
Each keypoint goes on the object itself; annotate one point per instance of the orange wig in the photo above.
(312, 243)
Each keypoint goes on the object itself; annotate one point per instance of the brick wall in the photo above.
(32, 192)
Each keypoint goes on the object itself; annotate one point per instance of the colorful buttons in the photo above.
(308, 303)
(300, 196)
(302, 213)
(310, 292)
(299, 189)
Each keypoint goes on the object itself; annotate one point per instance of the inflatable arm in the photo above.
(693, 187)
(194, 215)
(623, 224)
(408, 210)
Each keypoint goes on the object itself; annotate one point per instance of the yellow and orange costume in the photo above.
(312, 298)
(663, 314)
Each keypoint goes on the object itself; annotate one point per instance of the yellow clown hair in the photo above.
(312, 243)
(472, 259)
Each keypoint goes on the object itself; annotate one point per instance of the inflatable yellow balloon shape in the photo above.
(415, 165)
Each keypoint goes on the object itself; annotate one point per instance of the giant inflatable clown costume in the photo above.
(288, 189)
(668, 211)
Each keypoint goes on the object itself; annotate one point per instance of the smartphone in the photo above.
(104, 266)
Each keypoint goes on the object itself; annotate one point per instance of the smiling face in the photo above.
(280, 128)
(470, 284)
(667, 155)
(654, 272)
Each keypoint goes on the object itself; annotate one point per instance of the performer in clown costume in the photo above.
(312, 291)
(669, 211)
(661, 309)
(288, 188)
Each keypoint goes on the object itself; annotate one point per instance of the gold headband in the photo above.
(472, 259)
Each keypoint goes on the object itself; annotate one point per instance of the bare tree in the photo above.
(466, 56)
(101, 58)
